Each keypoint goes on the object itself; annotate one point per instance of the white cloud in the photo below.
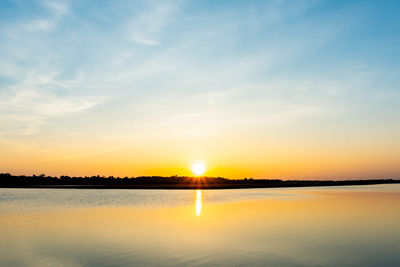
(31, 102)
(48, 22)
(57, 7)
(39, 25)
(146, 26)
(141, 40)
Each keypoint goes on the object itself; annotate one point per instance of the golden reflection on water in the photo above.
(199, 202)
(265, 232)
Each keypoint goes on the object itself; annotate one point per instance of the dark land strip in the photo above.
(174, 182)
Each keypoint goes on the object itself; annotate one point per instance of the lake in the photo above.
(327, 226)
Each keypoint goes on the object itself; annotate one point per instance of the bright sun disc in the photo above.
(198, 168)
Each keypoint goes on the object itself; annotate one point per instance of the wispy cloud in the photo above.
(147, 25)
(57, 7)
(55, 11)
(37, 92)
(33, 101)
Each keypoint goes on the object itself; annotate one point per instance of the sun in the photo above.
(198, 168)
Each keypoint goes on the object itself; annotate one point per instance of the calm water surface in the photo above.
(333, 226)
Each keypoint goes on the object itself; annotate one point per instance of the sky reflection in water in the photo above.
(355, 226)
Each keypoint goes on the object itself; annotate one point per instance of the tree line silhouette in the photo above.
(8, 180)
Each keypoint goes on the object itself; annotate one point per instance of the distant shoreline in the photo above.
(174, 182)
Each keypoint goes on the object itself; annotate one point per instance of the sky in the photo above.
(265, 89)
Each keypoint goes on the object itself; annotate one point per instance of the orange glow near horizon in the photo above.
(135, 158)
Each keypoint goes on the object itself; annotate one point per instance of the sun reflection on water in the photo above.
(198, 202)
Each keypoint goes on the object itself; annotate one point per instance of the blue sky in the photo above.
(130, 76)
